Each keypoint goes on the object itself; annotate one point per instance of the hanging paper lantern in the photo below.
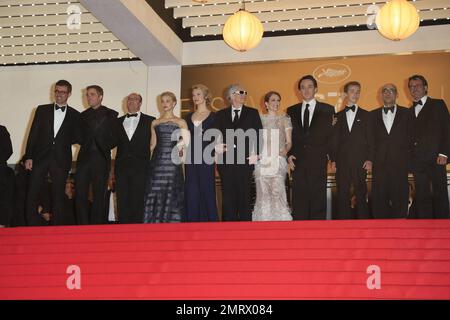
(397, 20)
(243, 31)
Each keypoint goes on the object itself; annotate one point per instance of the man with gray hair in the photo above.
(238, 150)
(391, 152)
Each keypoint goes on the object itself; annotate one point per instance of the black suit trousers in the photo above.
(94, 170)
(390, 192)
(6, 195)
(58, 177)
(131, 178)
(236, 192)
(350, 179)
(309, 193)
(431, 195)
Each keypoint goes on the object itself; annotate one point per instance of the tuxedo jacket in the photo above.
(352, 148)
(5, 146)
(102, 133)
(430, 132)
(138, 148)
(41, 142)
(313, 148)
(391, 149)
(248, 119)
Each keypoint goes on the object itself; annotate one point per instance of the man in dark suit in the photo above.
(391, 150)
(98, 124)
(132, 159)
(312, 123)
(351, 155)
(431, 148)
(49, 152)
(239, 126)
(20, 194)
(6, 178)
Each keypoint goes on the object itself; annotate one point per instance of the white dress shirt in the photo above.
(350, 115)
(233, 114)
(312, 107)
(58, 119)
(112, 213)
(419, 107)
(388, 118)
(130, 124)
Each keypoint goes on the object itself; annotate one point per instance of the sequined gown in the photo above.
(164, 195)
(271, 171)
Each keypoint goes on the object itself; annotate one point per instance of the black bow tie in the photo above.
(416, 103)
(132, 115)
(353, 107)
(387, 109)
(58, 107)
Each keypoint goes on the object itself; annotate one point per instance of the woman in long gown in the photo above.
(200, 189)
(271, 170)
(164, 195)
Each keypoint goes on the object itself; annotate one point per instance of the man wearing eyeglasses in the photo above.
(132, 159)
(49, 153)
(391, 149)
(238, 150)
(431, 149)
(312, 123)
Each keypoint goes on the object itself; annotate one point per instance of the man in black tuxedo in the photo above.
(6, 178)
(98, 125)
(132, 159)
(312, 123)
(431, 148)
(391, 151)
(351, 157)
(49, 152)
(238, 151)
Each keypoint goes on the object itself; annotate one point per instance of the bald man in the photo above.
(132, 159)
(391, 149)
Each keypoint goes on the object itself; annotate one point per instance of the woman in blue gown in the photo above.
(200, 189)
(164, 195)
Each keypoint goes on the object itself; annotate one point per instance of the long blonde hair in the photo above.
(206, 93)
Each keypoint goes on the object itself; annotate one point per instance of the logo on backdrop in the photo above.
(332, 73)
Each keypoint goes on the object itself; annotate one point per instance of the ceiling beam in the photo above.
(324, 13)
(318, 46)
(138, 26)
(314, 24)
(257, 7)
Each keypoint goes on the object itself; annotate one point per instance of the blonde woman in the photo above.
(200, 189)
(164, 196)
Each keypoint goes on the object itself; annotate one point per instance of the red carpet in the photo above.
(255, 260)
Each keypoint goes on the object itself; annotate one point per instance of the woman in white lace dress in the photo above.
(271, 170)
